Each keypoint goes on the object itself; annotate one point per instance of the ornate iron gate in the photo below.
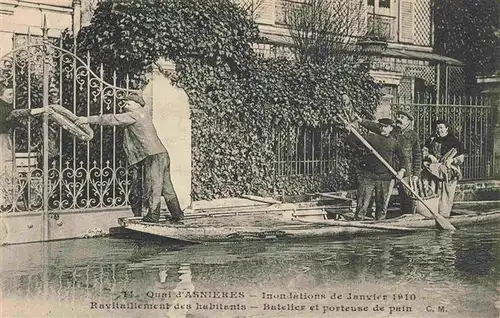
(47, 169)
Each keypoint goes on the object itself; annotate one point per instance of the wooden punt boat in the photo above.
(289, 221)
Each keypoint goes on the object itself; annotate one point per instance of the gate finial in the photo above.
(45, 30)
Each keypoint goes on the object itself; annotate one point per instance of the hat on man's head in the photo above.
(405, 113)
(441, 121)
(386, 121)
(135, 98)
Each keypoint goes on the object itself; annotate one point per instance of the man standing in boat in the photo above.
(146, 152)
(409, 141)
(373, 176)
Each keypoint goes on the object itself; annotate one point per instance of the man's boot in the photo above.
(380, 215)
(153, 215)
(176, 214)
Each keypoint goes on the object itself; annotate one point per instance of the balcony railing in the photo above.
(381, 27)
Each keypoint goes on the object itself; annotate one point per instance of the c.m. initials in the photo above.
(441, 309)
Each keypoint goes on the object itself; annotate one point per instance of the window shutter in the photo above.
(265, 11)
(280, 6)
(406, 21)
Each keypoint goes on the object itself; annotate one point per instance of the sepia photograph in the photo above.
(250, 158)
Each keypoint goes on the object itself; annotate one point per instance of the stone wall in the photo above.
(478, 191)
(171, 117)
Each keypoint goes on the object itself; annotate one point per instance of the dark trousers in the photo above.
(406, 203)
(365, 190)
(150, 181)
(135, 197)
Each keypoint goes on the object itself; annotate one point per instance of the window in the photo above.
(381, 3)
(384, 3)
(284, 7)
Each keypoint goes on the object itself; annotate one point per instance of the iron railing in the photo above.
(308, 151)
(50, 169)
(305, 151)
(471, 120)
(382, 27)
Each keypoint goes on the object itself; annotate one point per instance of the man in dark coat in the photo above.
(409, 141)
(144, 151)
(373, 175)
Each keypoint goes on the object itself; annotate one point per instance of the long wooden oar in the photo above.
(441, 222)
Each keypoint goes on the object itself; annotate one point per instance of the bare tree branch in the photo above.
(324, 30)
(251, 6)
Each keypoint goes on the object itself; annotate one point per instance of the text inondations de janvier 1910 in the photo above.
(271, 302)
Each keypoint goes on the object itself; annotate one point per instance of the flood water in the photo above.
(428, 274)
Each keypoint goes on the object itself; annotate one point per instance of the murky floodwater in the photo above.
(430, 274)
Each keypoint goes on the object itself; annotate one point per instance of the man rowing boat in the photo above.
(373, 176)
(409, 141)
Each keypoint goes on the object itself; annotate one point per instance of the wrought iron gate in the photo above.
(47, 169)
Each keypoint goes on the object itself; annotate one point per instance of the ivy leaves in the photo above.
(129, 36)
(234, 148)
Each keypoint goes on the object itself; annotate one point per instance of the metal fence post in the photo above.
(495, 109)
(46, 65)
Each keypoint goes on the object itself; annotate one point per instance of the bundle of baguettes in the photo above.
(66, 119)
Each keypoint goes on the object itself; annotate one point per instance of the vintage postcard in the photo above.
(249, 158)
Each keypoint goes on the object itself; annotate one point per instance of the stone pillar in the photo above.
(390, 81)
(77, 16)
(384, 109)
(495, 98)
(490, 88)
(171, 117)
(6, 42)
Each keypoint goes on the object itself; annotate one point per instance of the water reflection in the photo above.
(446, 266)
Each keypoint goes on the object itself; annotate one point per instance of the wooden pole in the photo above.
(363, 225)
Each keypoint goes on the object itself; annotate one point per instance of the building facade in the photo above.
(20, 17)
(405, 64)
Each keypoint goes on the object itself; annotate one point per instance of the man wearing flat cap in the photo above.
(144, 151)
(409, 141)
(373, 175)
